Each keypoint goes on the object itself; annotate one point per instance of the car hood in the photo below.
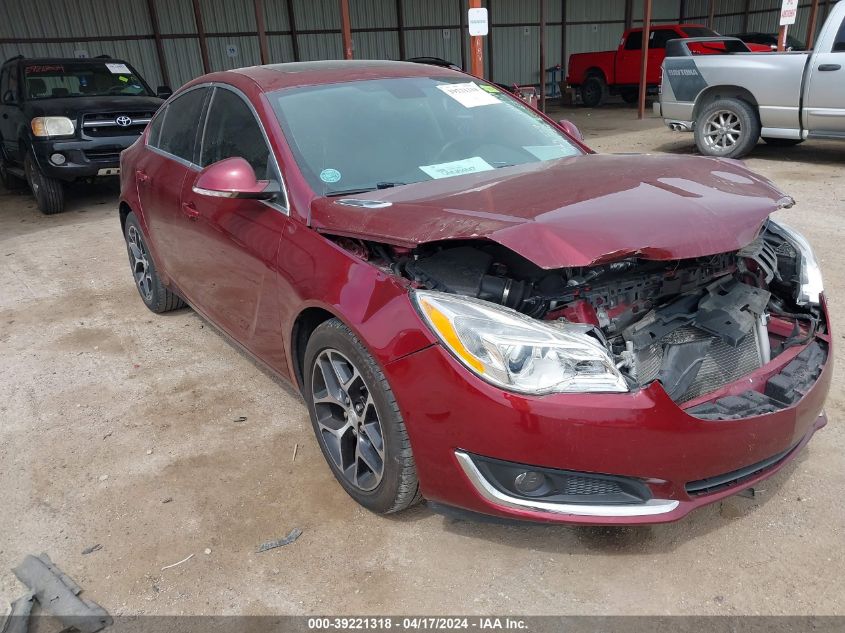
(576, 211)
(72, 106)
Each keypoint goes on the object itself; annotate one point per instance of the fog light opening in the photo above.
(58, 159)
(530, 483)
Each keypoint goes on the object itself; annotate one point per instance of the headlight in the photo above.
(809, 271)
(516, 352)
(52, 126)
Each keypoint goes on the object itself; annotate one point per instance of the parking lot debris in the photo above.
(295, 533)
(18, 618)
(184, 560)
(92, 549)
(295, 449)
(58, 594)
(167, 500)
(241, 418)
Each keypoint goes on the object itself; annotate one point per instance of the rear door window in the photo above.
(658, 38)
(839, 42)
(178, 133)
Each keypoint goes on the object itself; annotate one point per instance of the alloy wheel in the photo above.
(349, 424)
(140, 262)
(722, 131)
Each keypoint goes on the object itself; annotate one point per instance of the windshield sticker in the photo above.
(491, 89)
(457, 167)
(469, 95)
(34, 70)
(548, 152)
(123, 79)
(118, 69)
(330, 175)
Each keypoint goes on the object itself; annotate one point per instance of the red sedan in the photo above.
(477, 309)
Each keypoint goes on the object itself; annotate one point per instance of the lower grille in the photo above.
(735, 477)
(110, 155)
(722, 364)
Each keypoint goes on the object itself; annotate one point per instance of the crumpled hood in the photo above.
(576, 211)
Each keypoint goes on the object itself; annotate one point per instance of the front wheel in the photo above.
(49, 192)
(630, 95)
(727, 128)
(357, 421)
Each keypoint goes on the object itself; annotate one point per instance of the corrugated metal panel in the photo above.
(431, 12)
(175, 16)
(662, 11)
(515, 11)
(584, 38)
(434, 43)
(65, 18)
(376, 45)
(313, 46)
(276, 15)
(183, 60)
(228, 16)
(245, 50)
(316, 14)
(728, 24)
(281, 48)
(591, 11)
(368, 14)
(516, 54)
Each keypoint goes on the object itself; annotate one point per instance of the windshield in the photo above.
(699, 31)
(365, 135)
(88, 79)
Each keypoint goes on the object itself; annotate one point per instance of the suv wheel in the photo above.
(357, 422)
(48, 192)
(593, 91)
(727, 128)
(155, 295)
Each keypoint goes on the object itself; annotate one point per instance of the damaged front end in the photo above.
(697, 326)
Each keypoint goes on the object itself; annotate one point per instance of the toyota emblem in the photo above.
(123, 121)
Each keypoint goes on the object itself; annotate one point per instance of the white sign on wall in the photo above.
(788, 12)
(477, 21)
(232, 50)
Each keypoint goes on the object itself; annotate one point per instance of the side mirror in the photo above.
(163, 92)
(570, 128)
(234, 178)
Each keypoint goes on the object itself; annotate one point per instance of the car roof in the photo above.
(278, 76)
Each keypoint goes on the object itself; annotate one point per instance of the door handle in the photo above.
(143, 178)
(829, 67)
(190, 210)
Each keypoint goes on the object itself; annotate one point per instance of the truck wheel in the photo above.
(593, 91)
(783, 142)
(727, 128)
(48, 192)
(630, 95)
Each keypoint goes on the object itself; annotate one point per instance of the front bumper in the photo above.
(451, 415)
(84, 158)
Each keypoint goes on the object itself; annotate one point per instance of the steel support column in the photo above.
(644, 58)
(346, 29)
(162, 62)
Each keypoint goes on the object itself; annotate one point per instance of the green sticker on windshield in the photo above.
(123, 79)
(490, 89)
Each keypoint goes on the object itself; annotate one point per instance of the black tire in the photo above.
(630, 95)
(727, 128)
(593, 91)
(155, 295)
(783, 142)
(397, 487)
(49, 192)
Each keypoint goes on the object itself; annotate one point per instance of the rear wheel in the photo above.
(727, 128)
(357, 421)
(783, 142)
(630, 95)
(155, 295)
(593, 91)
(49, 192)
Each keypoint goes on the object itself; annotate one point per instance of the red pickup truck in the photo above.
(596, 75)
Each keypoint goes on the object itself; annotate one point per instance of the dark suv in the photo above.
(68, 119)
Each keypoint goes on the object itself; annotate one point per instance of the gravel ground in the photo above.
(125, 429)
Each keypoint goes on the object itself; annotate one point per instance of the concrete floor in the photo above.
(120, 428)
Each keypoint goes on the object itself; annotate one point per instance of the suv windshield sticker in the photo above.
(118, 69)
(330, 175)
(457, 167)
(469, 95)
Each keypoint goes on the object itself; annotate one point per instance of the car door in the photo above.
(160, 174)
(824, 105)
(628, 59)
(236, 241)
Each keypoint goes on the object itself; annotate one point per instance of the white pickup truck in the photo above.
(733, 99)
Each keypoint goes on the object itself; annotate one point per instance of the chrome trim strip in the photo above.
(494, 496)
(110, 123)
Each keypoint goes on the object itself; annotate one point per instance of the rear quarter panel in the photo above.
(581, 63)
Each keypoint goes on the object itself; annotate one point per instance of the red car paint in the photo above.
(255, 272)
(622, 67)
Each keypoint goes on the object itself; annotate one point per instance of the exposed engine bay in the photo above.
(692, 324)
